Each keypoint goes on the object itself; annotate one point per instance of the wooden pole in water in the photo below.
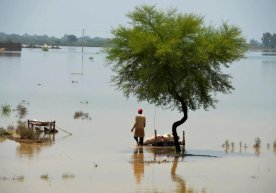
(184, 142)
(155, 137)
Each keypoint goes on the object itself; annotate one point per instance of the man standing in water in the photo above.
(139, 125)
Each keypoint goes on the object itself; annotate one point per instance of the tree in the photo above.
(253, 42)
(273, 41)
(72, 38)
(269, 40)
(173, 60)
(266, 39)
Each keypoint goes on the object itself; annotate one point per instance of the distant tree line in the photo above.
(66, 40)
(268, 40)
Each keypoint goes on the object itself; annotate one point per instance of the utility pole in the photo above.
(82, 40)
(82, 51)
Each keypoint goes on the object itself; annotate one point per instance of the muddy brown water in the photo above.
(101, 155)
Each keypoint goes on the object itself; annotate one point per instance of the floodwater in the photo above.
(101, 155)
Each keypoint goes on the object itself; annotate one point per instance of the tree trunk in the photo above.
(178, 123)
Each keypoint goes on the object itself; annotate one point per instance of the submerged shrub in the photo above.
(5, 132)
(19, 178)
(21, 110)
(68, 175)
(15, 178)
(27, 133)
(257, 142)
(81, 115)
(10, 128)
(44, 176)
(5, 110)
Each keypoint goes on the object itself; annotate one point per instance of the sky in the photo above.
(99, 17)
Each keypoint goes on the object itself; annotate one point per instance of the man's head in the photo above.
(140, 111)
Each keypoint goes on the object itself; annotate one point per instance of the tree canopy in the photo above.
(172, 59)
(72, 38)
(269, 40)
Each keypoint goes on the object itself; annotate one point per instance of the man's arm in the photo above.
(145, 122)
(134, 125)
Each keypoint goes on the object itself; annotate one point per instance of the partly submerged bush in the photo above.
(68, 175)
(44, 176)
(5, 132)
(11, 128)
(27, 133)
(257, 142)
(6, 110)
(21, 110)
(81, 115)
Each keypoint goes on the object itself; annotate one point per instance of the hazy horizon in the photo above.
(57, 18)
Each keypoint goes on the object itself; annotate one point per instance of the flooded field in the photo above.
(100, 155)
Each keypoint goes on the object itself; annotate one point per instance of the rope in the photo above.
(64, 130)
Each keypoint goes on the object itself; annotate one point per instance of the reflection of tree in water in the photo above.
(257, 146)
(176, 178)
(161, 152)
(181, 184)
(31, 150)
(139, 166)
(2, 139)
(257, 151)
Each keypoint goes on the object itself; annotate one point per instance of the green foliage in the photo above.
(163, 57)
(8, 131)
(27, 133)
(5, 132)
(5, 110)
